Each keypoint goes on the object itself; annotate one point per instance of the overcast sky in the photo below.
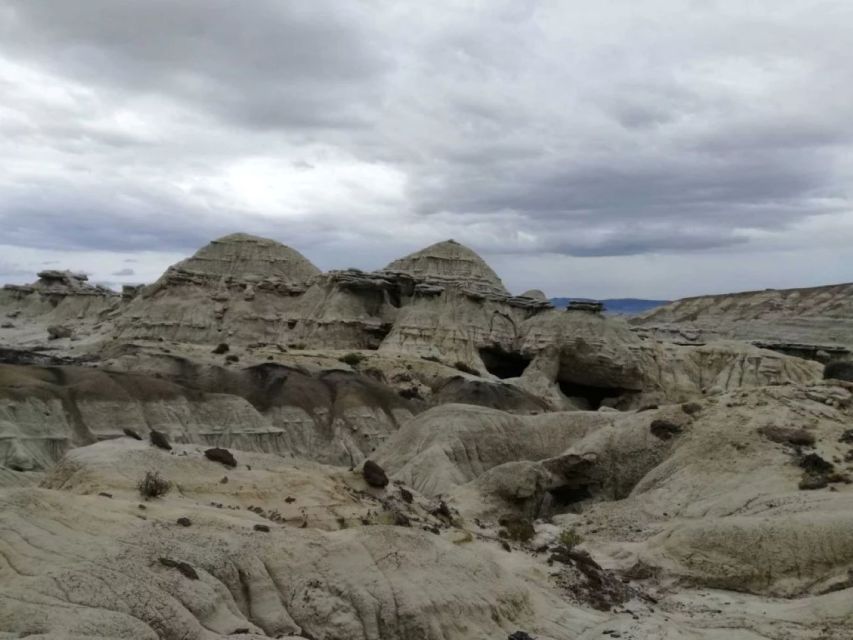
(651, 149)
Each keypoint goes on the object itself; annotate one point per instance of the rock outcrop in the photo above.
(251, 448)
(810, 322)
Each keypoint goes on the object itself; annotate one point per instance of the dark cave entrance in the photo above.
(503, 364)
(591, 396)
(568, 495)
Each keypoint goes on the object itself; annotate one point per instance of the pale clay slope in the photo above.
(692, 514)
(373, 580)
(817, 315)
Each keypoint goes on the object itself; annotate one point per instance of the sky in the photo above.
(655, 149)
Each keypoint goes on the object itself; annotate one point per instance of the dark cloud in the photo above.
(358, 131)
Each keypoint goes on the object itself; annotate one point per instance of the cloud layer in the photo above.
(662, 149)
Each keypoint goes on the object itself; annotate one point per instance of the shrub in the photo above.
(570, 538)
(461, 366)
(352, 359)
(153, 485)
(221, 348)
(232, 358)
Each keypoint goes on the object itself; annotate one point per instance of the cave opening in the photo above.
(503, 364)
(591, 397)
(569, 494)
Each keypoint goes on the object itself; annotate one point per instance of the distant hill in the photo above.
(617, 306)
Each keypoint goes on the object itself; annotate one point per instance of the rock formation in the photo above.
(414, 452)
(811, 322)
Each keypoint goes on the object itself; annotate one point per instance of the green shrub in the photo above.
(352, 359)
(570, 538)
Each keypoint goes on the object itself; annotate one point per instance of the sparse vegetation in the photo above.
(352, 359)
(570, 538)
(153, 485)
(461, 366)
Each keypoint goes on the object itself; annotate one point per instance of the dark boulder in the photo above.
(788, 435)
(159, 440)
(813, 463)
(664, 429)
(374, 474)
(130, 433)
(218, 454)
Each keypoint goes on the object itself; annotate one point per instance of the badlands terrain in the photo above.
(252, 448)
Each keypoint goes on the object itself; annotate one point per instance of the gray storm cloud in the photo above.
(596, 138)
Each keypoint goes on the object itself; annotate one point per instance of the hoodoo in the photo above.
(449, 262)
(241, 258)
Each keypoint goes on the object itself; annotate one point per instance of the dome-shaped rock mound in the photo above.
(450, 262)
(245, 257)
(534, 294)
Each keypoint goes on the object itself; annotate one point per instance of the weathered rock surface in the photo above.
(716, 502)
(504, 470)
(810, 322)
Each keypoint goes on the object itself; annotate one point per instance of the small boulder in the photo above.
(221, 348)
(183, 567)
(57, 331)
(813, 463)
(261, 527)
(664, 429)
(810, 482)
(218, 454)
(788, 435)
(130, 433)
(159, 440)
(374, 474)
(691, 408)
(184, 521)
(516, 528)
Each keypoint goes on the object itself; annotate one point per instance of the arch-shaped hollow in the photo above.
(503, 364)
(593, 397)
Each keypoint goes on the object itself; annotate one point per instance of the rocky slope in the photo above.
(251, 448)
(802, 322)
